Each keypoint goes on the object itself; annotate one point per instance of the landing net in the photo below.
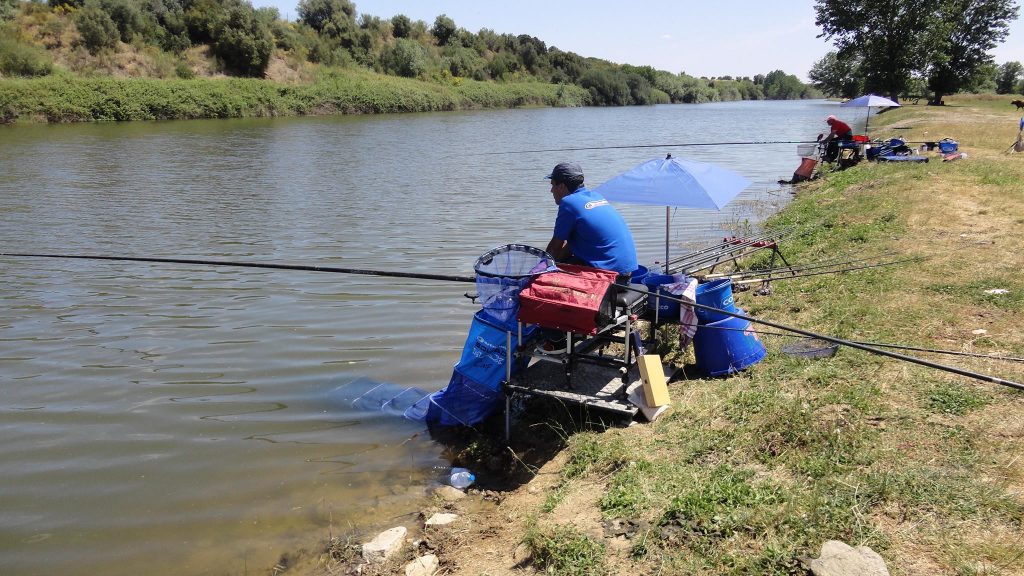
(502, 272)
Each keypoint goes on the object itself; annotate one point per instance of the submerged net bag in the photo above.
(502, 272)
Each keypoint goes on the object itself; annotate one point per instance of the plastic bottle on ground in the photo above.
(461, 478)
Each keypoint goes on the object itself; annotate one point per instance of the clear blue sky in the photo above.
(701, 38)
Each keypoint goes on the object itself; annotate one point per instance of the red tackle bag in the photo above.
(567, 300)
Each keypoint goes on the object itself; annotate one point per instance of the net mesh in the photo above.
(502, 273)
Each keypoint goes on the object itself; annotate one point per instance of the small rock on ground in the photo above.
(841, 559)
(441, 519)
(384, 545)
(449, 493)
(422, 566)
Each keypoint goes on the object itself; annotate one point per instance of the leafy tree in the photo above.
(606, 87)
(569, 67)
(405, 58)
(98, 30)
(244, 42)
(166, 24)
(332, 18)
(891, 36)
(443, 29)
(203, 18)
(963, 34)
(401, 26)
(127, 16)
(1007, 77)
(502, 65)
(835, 76)
(781, 86)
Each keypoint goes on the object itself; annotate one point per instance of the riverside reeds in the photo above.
(69, 98)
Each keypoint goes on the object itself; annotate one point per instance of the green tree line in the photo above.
(914, 48)
(331, 33)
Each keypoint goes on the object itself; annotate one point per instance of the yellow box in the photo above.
(653, 375)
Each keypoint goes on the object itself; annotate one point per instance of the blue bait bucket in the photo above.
(727, 346)
(717, 294)
(665, 308)
(638, 275)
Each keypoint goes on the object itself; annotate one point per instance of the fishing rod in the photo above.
(878, 344)
(688, 262)
(415, 275)
(627, 146)
(851, 269)
(842, 342)
(726, 245)
(739, 275)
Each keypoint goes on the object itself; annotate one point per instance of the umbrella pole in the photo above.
(667, 209)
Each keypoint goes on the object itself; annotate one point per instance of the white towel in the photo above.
(685, 288)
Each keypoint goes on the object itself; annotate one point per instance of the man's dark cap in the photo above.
(566, 172)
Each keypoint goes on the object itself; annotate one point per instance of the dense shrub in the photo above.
(405, 58)
(444, 28)
(401, 26)
(126, 15)
(97, 28)
(244, 42)
(606, 88)
(17, 59)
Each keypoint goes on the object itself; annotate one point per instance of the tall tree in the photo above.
(1006, 78)
(963, 34)
(836, 76)
(891, 36)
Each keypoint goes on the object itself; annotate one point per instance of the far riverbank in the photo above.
(69, 98)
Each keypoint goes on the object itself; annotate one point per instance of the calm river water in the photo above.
(174, 419)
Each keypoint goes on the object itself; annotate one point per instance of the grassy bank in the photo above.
(749, 474)
(69, 98)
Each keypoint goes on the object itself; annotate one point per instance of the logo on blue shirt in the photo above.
(595, 203)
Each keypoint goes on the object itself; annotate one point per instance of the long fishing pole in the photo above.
(765, 237)
(627, 146)
(809, 274)
(728, 247)
(416, 275)
(739, 275)
(878, 344)
(705, 256)
(840, 341)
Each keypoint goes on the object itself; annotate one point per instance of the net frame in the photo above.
(502, 272)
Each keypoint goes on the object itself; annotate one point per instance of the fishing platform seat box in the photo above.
(569, 299)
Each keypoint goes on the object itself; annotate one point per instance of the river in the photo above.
(180, 419)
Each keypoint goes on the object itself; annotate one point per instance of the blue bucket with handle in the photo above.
(666, 308)
(727, 346)
(638, 275)
(717, 294)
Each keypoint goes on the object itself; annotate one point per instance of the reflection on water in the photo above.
(179, 419)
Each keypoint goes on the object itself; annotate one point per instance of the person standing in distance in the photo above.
(588, 230)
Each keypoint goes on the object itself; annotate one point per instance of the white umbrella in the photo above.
(868, 101)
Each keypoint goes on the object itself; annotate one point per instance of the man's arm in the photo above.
(559, 249)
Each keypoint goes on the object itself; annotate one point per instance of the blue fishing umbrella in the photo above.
(868, 101)
(675, 182)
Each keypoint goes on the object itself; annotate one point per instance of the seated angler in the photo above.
(588, 230)
(839, 131)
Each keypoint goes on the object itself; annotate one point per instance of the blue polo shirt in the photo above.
(596, 232)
